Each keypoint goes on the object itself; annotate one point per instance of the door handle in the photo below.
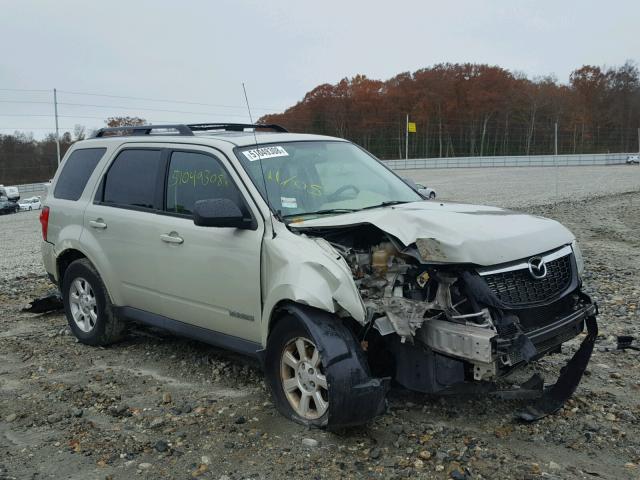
(171, 238)
(99, 224)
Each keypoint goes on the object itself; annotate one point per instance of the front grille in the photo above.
(518, 287)
(532, 318)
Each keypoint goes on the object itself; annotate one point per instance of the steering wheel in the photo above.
(336, 195)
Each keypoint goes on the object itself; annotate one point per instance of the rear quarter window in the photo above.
(76, 172)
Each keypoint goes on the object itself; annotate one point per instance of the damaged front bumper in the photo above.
(550, 336)
(440, 368)
(489, 353)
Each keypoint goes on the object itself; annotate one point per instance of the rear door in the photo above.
(121, 226)
(208, 276)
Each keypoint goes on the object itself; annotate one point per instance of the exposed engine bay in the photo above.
(442, 323)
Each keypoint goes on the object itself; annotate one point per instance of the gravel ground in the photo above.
(155, 406)
(526, 186)
(20, 239)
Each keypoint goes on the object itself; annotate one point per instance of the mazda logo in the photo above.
(537, 267)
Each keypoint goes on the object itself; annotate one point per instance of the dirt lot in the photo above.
(156, 406)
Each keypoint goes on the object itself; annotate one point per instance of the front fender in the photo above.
(308, 272)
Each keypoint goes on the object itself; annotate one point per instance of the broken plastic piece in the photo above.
(556, 395)
(625, 342)
(48, 303)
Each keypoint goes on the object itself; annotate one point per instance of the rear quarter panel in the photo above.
(66, 217)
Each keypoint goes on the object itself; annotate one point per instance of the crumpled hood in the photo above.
(457, 232)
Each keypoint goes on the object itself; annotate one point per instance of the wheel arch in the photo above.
(64, 259)
(75, 252)
(355, 395)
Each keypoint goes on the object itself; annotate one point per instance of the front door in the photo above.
(207, 276)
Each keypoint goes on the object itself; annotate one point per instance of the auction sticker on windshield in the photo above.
(288, 202)
(265, 152)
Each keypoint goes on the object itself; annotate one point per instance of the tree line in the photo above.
(476, 110)
(459, 110)
(26, 160)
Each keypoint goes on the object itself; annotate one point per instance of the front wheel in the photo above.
(296, 374)
(432, 195)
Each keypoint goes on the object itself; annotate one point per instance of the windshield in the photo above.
(307, 178)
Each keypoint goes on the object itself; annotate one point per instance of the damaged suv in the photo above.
(309, 254)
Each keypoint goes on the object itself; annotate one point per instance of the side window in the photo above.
(196, 176)
(76, 172)
(132, 179)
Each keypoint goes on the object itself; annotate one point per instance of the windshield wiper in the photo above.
(386, 204)
(327, 211)
(330, 211)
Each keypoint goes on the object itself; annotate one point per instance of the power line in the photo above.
(22, 90)
(164, 100)
(146, 99)
(149, 109)
(34, 128)
(47, 115)
(122, 107)
(25, 101)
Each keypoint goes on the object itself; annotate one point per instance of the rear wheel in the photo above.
(432, 195)
(90, 313)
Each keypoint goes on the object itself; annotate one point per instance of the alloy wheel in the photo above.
(83, 304)
(303, 378)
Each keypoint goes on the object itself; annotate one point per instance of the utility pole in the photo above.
(406, 143)
(639, 140)
(556, 156)
(55, 108)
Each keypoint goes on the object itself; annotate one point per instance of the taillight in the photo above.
(44, 221)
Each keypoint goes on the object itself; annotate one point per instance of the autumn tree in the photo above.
(476, 110)
(125, 121)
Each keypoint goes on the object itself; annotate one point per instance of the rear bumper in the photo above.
(49, 260)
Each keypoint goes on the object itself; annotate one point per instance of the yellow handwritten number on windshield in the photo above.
(197, 178)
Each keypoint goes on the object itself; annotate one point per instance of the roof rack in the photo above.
(184, 130)
(234, 127)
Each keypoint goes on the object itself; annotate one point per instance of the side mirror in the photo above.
(219, 212)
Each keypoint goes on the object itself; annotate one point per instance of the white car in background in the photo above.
(426, 192)
(32, 203)
(633, 159)
(430, 193)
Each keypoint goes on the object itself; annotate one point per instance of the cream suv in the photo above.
(308, 253)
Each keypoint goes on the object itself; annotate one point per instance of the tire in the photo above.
(29, 208)
(432, 195)
(305, 383)
(90, 313)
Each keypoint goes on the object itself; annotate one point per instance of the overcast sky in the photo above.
(201, 51)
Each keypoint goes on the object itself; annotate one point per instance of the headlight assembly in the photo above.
(579, 260)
